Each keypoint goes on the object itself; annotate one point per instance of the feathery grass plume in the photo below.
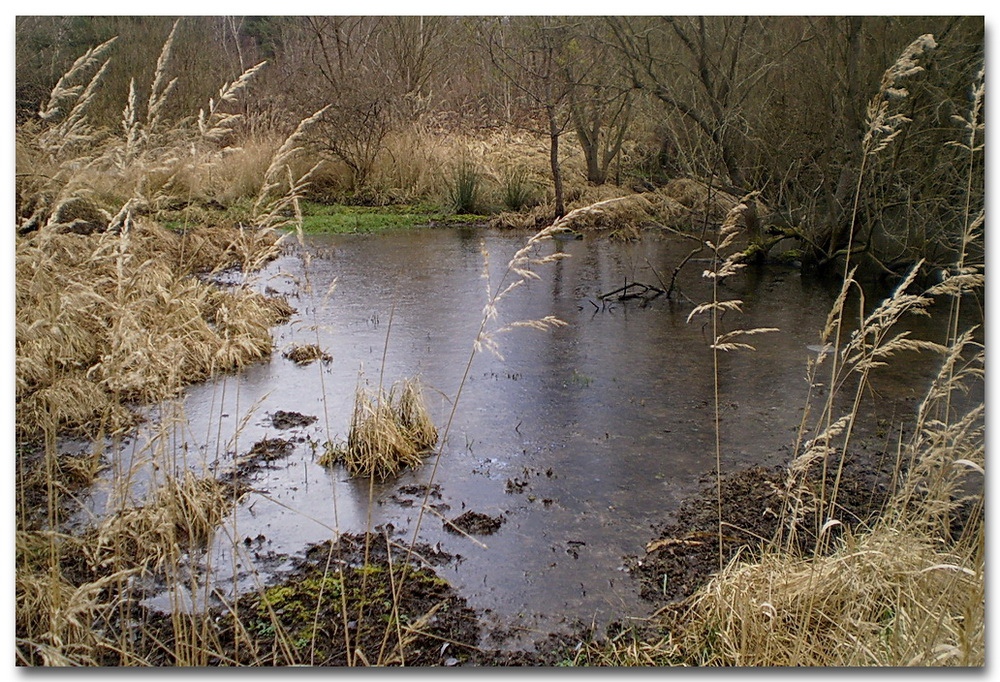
(270, 211)
(68, 132)
(63, 90)
(130, 127)
(972, 234)
(724, 341)
(948, 449)
(160, 91)
(883, 127)
(521, 264)
(617, 212)
(215, 125)
(867, 348)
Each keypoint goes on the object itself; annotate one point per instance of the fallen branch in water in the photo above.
(625, 294)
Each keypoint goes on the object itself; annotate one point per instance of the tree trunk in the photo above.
(557, 183)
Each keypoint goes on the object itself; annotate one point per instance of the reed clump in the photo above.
(183, 513)
(108, 318)
(389, 432)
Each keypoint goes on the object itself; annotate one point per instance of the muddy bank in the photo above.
(685, 552)
(360, 600)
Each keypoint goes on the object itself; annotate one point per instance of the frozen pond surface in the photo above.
(583, 438)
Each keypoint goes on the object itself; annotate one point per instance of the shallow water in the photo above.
(583, 438)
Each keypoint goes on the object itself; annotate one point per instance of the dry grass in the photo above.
(111, 309)
(106, 318)
(183, 513)
(388, 432)
(909, 590)
(887, 597)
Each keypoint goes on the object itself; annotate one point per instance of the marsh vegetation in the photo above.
(163, 251)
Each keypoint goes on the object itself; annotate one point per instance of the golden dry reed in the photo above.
(389, 432)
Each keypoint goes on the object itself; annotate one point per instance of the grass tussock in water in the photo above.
(388, 433)
(306, 354)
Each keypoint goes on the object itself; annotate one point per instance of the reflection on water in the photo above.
(582, 438)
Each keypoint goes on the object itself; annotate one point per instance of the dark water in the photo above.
(583, 438)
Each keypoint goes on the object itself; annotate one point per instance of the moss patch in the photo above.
(339, 609)
(341, 219)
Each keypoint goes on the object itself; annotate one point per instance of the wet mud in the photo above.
(290, 420)
(685, 552)
(474, 523)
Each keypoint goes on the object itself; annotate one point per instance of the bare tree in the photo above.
(705, 69)
(526, 51)
(600, 99)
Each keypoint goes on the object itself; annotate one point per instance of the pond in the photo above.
(582, 438)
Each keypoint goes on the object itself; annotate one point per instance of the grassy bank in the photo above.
(342, 219)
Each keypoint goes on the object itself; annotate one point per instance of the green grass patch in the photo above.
(341, 219)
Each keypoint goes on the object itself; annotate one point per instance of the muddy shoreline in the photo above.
(360, 573)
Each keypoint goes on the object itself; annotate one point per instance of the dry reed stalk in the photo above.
(160, 91)
(722, 267)
(215, 125)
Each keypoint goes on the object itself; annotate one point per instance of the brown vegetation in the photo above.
(388, 433)
(576, 102)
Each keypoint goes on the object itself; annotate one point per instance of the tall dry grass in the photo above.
(907, 589)
(108, 318)
(112, 310)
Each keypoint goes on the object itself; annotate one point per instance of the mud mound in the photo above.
(270, 449)
(290, 420)
(344, 603)
(474, 523)
(686, 553)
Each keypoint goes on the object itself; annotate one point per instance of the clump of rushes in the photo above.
(388, 433)
(518, 190)
(463, 191)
